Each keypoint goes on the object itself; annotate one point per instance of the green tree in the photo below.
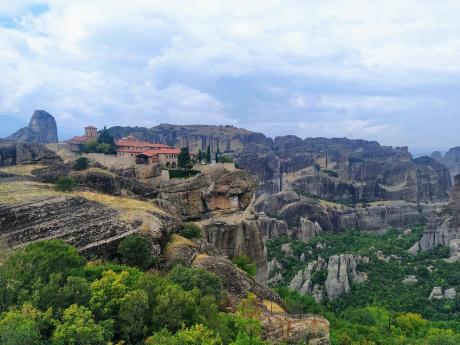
(79, 328)
(136, 250)
(244, 263)
(36, 263)
(191, 278)
(106, 138)
(132, 316)
(90, 146)
(217, 156)
(191, 230)
(208, 154)
(81, 163)
(104, 148)
(65, 184)
(195, 335)
(107, 294)
(19, 328)
(225, 159)
(183, 161)
(200, 155)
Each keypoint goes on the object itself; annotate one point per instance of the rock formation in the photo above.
(218, 191)
(334, 169)
(451, 160)
(341, 274)
(42, 129)
(438, 293)
(12, 153)
(443, 229)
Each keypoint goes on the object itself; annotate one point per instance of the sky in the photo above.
(379, 70)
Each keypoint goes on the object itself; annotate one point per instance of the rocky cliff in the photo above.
(42, 129)
(334, 169)
(451, 159)
(341, 271)
(12, 153)
(443, 228)
(305, 217)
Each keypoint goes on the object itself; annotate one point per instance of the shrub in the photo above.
(244, 263)
(81, 163)
(191, 230)
(65, 184)
(225, 159)
(190, 278)
(104, 148)
(90, 146)
(182, 173)
(136, 250)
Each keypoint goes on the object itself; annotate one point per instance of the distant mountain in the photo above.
(450, 159)
(9, 125)
(42, 129)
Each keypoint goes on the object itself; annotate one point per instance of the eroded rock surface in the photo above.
(42, 129)
(12, 153)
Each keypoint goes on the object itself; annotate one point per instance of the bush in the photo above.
(225, 159)
(90, 146)
(182, 173)
(190, 278)
(244, 263)
(104, 148)
(191, 230)
(136, 250)
(65, 184)
(81, 163)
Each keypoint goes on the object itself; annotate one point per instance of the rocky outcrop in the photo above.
(94, 228)
(438, 293)
(451, 160)
(234, 239)
(310, 329)
(42, 129)
(334, 169)
(306, 218)
(12, 153)
(341, 274)
(218, 191)
(443, 229)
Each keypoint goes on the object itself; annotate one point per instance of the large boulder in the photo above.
(12, 153)
(42, 129)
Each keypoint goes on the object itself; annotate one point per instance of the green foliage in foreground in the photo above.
(191, 230)
(51, 296)
(136, 250)
(65, 184)
(381, 310)
(244, 263)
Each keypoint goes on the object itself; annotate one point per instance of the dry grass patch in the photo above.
(330, 204)
(15, 192)
(22, 169)
(120, 203)
(273, 307)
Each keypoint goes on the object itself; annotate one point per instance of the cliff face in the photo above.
(12, 153)
(341, 271)
(334, 169)
(218, 191)
(443, 228)
(42, 129)
(305, 218)
(451, 160)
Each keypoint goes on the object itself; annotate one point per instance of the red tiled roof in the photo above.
(166, 151)
(130, 151)
(136, 143)
(80, 139)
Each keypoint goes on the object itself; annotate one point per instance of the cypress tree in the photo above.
(208, 154)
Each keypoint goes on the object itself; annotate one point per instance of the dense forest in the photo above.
(381, 310)
(49, 294)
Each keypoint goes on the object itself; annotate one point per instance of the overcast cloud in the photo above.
(382, 70)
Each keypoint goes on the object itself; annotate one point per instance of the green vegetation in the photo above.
(136, 250)
(183, 161)
(65, 184)
(382, 310)
(182, 173)
(49, 295)
(225, 159)
(106, 139)
(208, 154)
(81, 163)
(191, 230)
(244, 263)
(89, 146)
(329, 172)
